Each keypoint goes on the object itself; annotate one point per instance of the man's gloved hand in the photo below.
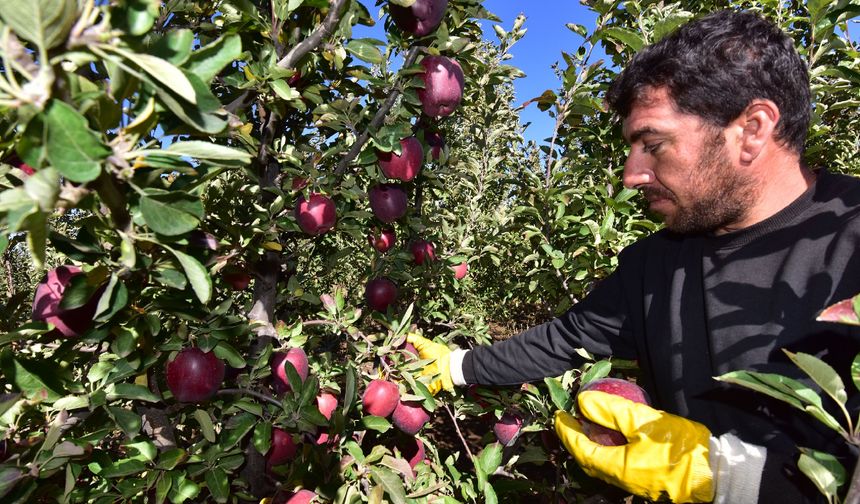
(441, 367)
(666, 455)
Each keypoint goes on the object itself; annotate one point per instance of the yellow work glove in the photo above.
(441, 365)
(666, 455)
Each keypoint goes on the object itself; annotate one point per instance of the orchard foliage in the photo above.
(223, 174)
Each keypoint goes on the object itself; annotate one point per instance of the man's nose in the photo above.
(637, 172)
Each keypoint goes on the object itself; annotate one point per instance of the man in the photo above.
(756, 245)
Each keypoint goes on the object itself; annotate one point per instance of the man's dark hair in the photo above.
(715, 66)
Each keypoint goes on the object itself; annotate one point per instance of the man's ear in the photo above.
(758, 125)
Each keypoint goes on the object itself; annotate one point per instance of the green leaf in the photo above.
(283, 90)
(175, 46)
(37, 380)
(626, 36)
(183, 489)
(822, 374)
(200, 280)
(9, 477)
(561, 398)
(78, 292)
(72, 148)
(46, 23)
(171, 458)
(205, 423)
(490, 458)
(375, 423)
(170, 213)
(364, 49)
(44, 188)
(133, 392)
(596, 371)
(823, 469)
(162, 71)
(219, 486)
(237, 427)
(225, 351)
(208, 151)
(127, 420)
(391, 482)
(208, 61)
(262, 437)
(200, 117)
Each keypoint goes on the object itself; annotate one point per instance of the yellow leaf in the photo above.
(274, 246)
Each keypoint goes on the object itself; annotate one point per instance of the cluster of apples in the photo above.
(442, 93)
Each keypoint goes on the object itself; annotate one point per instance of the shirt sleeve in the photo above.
(599, 324)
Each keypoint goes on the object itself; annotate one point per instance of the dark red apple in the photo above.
(380, 398)
(49, 294)
(411, 449)
(283, 448)
(388, 202)
(420, 18)
(15, 161)
(443, 86)
(238, 279)
(616, 386)
(315, 215)
(409, 347)
(202, 239)
(383, 240)
(194, 375)
(436, 142)
(380, 293)
(422, 251)
(507, 428)
(405, 166)
(460, 270)
(410, 417)
(295, 357)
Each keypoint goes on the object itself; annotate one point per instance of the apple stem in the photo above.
(258, 395)
(459, 433)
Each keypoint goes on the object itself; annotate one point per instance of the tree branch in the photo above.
(377, 120)
(459, 433)
(314, 39)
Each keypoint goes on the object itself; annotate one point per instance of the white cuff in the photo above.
(737, 468)
(456, 367)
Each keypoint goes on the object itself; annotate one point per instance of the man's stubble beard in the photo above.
(721, 195)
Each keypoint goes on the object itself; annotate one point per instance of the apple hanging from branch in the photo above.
(380, 293)
(382, 240)
(407, 165)
(315, 215)
(421, 18)
(194, 375)
(295, 357)
(388, 202)
(443, 86)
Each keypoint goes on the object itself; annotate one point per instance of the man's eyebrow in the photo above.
(639, 133)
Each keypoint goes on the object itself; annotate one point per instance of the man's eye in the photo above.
(650, 148)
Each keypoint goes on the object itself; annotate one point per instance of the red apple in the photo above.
(409, 347)
(420, 18)
(443, 86)
(405, 166)
(383, 241)
(315, 215)
(380, 293)
(15, 161)
(436, 142)
(238, 279)
(507, 428)
(410, 417)
(388, 202)
(295, 357)
(460, 270)
(49, 294)
(326, 403)
(202, 239)
(300, 497)
(422, 251)
(283, 448)
(411, 449)
(615, 386)
(380, 398)
(194, 375)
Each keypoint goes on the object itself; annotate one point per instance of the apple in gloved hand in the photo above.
(616, 386)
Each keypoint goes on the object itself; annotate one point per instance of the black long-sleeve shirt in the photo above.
(690, 308)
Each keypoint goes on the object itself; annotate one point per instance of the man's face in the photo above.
(682, 167)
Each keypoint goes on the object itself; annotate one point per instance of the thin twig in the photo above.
(459, 433)
(258, 395)
(376, 122)
(314, 39)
